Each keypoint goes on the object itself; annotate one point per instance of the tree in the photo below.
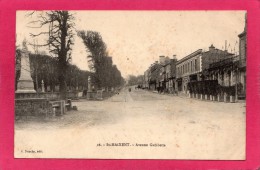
(135, 80)
(95, 45)
(60, 38)
(106, 74)
(45, 68)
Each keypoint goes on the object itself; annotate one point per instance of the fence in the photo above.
(211, 90)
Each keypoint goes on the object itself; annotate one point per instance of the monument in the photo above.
(90, 93)
(42, 86)
(89, 84)
(27, 101)
(25, 82)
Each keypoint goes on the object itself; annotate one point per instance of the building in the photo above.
(154, 72)
(170, 75)
(231, 71)
(195, 66)
(162, 73)
(188, 69)
(242, 59)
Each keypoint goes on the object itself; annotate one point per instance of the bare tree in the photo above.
(60, 39)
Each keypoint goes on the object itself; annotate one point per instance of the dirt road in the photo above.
(167, 127)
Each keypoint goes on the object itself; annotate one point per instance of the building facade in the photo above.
(195, 66)
(188, 69)
(242, 59)
(170, 75)
(153, 76)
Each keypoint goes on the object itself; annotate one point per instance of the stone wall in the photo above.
(32, 107)
(48, 95)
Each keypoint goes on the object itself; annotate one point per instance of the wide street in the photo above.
(183, 128)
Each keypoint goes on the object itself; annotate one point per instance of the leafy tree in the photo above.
(135, 80)
(105, 73)
(45, 68)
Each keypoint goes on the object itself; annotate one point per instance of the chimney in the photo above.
(162, 59)
(174, 57)
(211, 48)
(156, 62)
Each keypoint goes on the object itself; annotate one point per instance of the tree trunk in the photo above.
(62, 80)
(63, 61)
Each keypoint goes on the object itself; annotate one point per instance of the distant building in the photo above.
(153, 75)
(170, 75)
(162, 76)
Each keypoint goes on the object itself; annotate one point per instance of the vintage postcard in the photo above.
(131, 84)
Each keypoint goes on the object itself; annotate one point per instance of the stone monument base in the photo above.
(91, 95)
(25, 86)
(31, 107)
(99, 95)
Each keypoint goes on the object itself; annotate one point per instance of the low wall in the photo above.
(48, 95)
(38, 107)
(97, 95)
(107, 94)
(32, 107)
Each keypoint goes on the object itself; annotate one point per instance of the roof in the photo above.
(199, 51)
(213, 56)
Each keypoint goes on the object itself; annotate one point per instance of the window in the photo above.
(195, 64)
(190, 66)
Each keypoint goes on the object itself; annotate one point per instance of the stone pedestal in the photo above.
(90, 95)
(42, 86)
(99, 95)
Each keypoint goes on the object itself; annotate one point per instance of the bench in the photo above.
(61, 105)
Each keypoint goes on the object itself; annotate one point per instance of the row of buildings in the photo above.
(172, 76)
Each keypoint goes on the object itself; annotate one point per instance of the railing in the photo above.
(221, 63)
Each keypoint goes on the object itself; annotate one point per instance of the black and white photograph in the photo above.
(140, 84)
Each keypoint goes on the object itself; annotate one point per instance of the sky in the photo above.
(136, 39)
